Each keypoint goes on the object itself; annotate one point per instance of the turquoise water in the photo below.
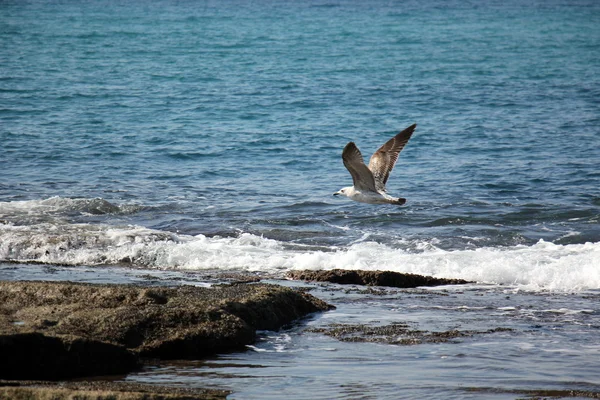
(226, 118)
(183, 136)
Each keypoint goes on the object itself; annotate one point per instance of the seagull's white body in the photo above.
(369, 197)
(369, 182)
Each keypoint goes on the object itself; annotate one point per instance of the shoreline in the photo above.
(55, 331)
(371, 322)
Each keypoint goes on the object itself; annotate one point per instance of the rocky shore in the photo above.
(62, 330)
(54, 331)
(101, 390)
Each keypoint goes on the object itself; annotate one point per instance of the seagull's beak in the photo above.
(337, 193)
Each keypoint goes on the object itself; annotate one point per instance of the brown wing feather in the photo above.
(383, 160)
(354, 163)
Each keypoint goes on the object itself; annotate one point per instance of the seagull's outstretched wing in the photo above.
(383, 160)
(361, 175)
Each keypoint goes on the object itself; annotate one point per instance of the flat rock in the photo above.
(372, 278)
(60, 330)
(396, 333)
(102, 390)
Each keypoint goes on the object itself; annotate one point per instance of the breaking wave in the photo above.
(542, 266)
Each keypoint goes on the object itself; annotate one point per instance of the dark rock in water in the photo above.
(36, 356)
(372, 278)
(73, 329)
(396, 333)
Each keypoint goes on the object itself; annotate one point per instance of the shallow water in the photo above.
(552, 345)
(515, 343)
(175, 137)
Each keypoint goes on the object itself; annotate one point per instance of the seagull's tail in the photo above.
(399, 201)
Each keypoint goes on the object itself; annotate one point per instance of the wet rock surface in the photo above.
(102, 390)
(396, 333)
(372, 278)
(59, 330)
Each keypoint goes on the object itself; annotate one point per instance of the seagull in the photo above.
(369, 182)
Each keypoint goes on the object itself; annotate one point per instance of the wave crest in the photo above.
(542, 266)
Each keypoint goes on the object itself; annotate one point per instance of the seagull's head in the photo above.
(343, 191)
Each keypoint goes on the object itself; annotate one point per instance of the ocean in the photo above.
(176, 138)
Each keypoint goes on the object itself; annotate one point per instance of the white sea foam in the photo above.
(542, 266)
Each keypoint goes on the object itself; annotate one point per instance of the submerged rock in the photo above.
(58, 330)
(372, 278)
(397, 333)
